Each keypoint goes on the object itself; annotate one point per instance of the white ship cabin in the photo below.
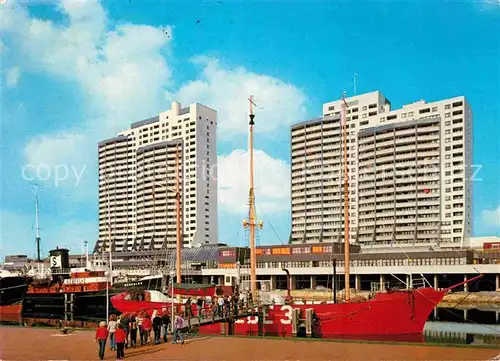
(86, 276)
(150, 296)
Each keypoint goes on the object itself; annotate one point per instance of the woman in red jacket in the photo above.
(120, 338)
(101, 335)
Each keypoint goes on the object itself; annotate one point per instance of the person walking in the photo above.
(165, 321)
(120, 338)
(179, 324)
(125, 322)
(140, 319)
(111, 329)
(147, 325)
(133, 331)
(157, 327)
(101, 336)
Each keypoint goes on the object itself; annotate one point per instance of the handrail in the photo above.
(463, 283)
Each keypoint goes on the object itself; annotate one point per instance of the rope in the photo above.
(466, 320)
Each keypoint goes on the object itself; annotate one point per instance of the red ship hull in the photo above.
(11, 313)
(395, 313)
(387, 314)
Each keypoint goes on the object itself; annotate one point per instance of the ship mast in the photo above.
(346, 203)
(37, 225)
(251, 222)
(178, 211)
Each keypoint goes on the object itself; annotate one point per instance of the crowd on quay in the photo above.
(145, 328)
(133, 330)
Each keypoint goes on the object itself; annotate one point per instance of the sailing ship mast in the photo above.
(346, 203)
(178, 212)
(251, 222)
(37, 225)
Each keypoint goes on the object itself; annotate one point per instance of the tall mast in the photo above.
(178, 205)
(346, 203)
(251, 222)
(37, 225)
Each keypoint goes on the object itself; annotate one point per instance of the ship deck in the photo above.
(50, 344)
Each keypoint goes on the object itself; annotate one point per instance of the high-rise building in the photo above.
(410, 173)
(137, 181)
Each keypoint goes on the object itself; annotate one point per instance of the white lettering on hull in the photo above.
(253, 320)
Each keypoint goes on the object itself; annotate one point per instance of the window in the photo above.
(447, 106)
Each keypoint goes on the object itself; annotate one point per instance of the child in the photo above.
(120, 338)
(101, 335)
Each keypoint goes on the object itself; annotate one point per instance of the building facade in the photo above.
(137, 181)
(410, 173)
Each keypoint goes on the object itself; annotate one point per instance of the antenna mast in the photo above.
(37, 224)
(178, 211)
(251, 222)
(346, 203)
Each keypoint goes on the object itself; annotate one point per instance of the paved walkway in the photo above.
(49, 344)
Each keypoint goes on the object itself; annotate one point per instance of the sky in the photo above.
(77, 72)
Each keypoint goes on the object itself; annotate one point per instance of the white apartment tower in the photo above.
(137, 182)
(410, 173)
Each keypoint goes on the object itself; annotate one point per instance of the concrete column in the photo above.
(313, 282)
(273, 282)
(466, 286)
(497, 282)
(292, 281)
(436, 282)
(357, 282)
(382, 282)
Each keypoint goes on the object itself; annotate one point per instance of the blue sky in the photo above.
(77, 72)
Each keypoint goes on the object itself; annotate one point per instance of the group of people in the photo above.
(122, 331)
(217, 305)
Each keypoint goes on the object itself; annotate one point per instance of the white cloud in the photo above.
(64, 160)
(491, 217)
(272, 183)
(227, 90)
(122, 73)
(13, 75)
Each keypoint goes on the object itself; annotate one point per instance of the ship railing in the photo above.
(418, 283)
(60, 271)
